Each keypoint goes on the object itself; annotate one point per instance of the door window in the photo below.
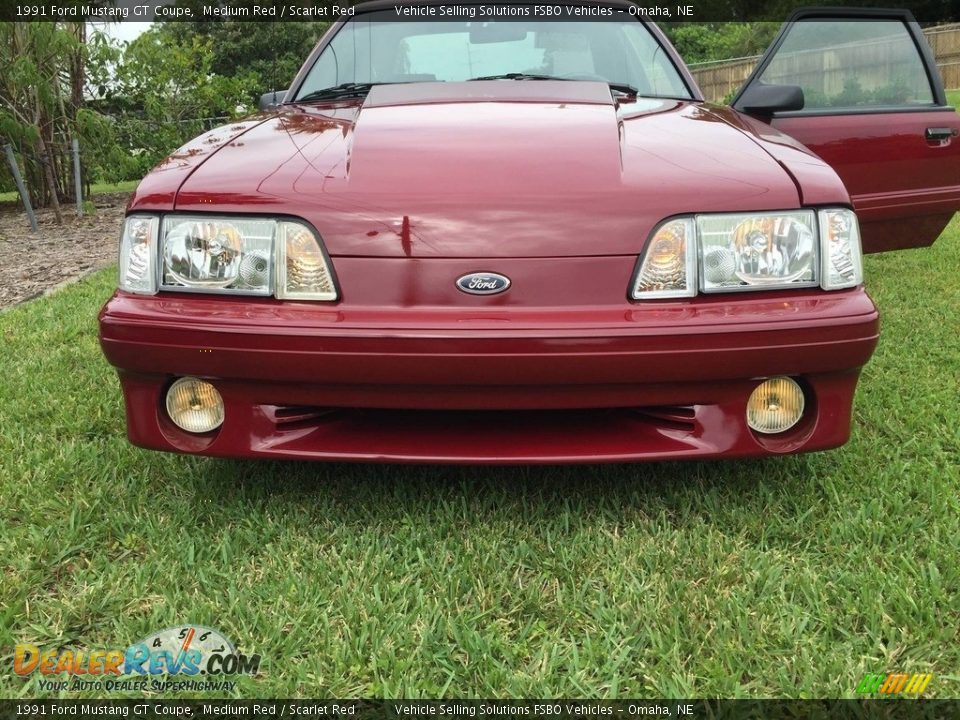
(851, 63)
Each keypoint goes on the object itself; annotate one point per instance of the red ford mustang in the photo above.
(523, 239)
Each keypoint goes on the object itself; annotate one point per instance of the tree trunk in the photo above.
(77, 80)
(77, 75)
(51, 182)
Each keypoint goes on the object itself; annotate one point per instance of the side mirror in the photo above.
(765, 100)
(272, 99)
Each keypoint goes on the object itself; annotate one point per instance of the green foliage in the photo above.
(174, 81)
(178, 80)
(105, 158)
(702, 42)
(166, 90)
(102, 57)
(152, 95)
(39, 96)
(271, 51)
(854, 94)
(144, 99)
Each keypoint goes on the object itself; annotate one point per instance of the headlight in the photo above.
(757, 251)
(228, 255)
(750, 251)
(138, 249)
(225, 254)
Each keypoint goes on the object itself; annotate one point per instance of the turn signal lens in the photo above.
(302, 269)
(668, 266)
(776, 405)
(194, 405)
(137, 251)
(842, 256)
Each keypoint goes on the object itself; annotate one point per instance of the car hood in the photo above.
(490, 169)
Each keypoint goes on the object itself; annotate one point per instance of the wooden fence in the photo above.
(719, 79)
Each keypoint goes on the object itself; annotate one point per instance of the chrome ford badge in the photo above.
(483, 283)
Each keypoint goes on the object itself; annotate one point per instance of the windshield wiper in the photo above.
(622, 88)
(345, 90)
(518, 76)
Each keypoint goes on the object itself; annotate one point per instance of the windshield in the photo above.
(378, 47)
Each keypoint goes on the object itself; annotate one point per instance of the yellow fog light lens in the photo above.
(194, 405)
(775, 405)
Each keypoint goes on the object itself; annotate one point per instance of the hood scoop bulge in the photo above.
(539, 91)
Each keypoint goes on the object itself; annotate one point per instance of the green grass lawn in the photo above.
(783, 577)
(124, 186)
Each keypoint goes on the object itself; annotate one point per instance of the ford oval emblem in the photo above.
(483, 283)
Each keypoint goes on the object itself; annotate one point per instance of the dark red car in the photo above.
(520, 237)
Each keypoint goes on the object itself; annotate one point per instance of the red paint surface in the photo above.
(589, 361)
(485, 180)
(904, 188)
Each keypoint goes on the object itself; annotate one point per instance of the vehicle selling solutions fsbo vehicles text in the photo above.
(523, 11)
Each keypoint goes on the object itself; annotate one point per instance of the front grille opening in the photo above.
(295, 417)
(676, 417)
(673, 417)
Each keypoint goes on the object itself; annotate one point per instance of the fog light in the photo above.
(775, 405)
(194, 405)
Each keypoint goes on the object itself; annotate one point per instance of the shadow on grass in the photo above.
(676, 492)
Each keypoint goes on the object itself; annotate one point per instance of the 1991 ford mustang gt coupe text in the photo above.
(530, 240)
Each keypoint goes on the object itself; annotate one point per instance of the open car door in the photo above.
(874, 108)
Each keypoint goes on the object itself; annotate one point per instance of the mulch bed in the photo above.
(33, 262)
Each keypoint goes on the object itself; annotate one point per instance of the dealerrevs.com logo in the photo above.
(196, 657)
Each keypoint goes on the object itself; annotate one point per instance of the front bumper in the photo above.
(593, 384)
